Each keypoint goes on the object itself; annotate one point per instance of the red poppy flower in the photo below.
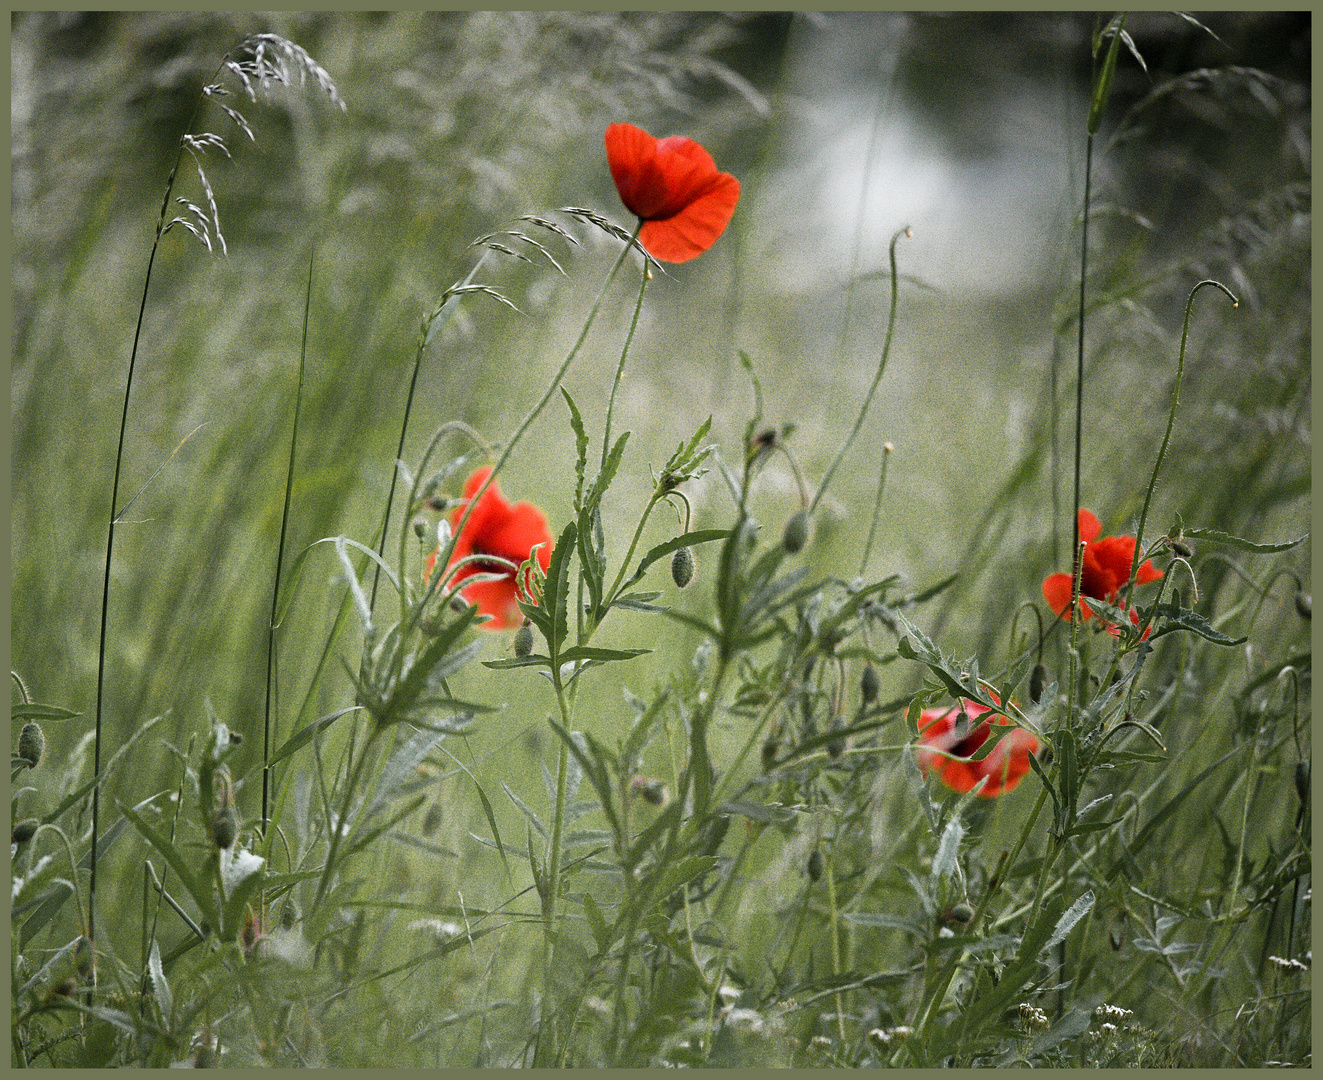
(1105, 571)
(674, 186)
(942, 732)
(495, 528)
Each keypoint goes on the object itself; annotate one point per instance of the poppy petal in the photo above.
(674, 187)
(1090, 526)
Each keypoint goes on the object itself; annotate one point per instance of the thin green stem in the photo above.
(1166, 438)
(620, 368)
(280, 560)
(881, 367)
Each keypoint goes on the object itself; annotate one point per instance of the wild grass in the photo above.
(284, 804)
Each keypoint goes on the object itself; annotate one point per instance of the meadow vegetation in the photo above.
(489, 589)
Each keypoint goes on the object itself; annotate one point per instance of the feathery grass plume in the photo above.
(259, 62)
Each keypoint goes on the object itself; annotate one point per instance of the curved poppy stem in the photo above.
(881, 367)
(877, 508)
(1137, 556)
(620, 368)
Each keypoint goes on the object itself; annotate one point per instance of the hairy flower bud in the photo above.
(24, 830)
(682, 567)
(1304, 604)
(796, 533)
(523, 640)
(32, 744)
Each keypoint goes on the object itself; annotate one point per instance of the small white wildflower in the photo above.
(1108, 1029)
(751, 1019)
(1032, 1016)
(1288, 963)
(820, 1044)
(441, 931)
(879, 1038)
(728, 994)
(1113, 1012)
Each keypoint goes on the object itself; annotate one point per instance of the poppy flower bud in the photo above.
(24, 830)
(771, 747)
(224, 827)
(523, 640)
(1181, 548)
(835, 746)
(649, 790)
(796, 533)
(869, 684)
(32, 744)
(432, 819)
(1304, 604)
(84, 958)
(419, 525)
(682, 567)
(1036, 680)
(1301, 781)
(815, 865)
(958, 914)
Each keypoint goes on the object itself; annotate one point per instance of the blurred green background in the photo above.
(843, 128)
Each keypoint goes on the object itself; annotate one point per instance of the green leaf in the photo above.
(1216, 536)
(556, 598)
(1068, 920)
(526, 810)
(306, 734)
(197, 887)
(596, 923)
(33, 711)
(679, 875)
(1179, 618)
(581, 448)
(599, 656)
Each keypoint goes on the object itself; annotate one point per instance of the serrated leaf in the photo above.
(581, 448)
(1179, 618)
(1216, 536)
(1069, 918)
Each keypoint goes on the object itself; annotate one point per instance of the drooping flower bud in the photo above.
(1304, 604)
(682, 567)
(1036, 680)
(796, 533)
(224, 827)
(24, 830)
(32, 744)
(1301, 780)
(649, 790)
(815, 865)
(870, 683)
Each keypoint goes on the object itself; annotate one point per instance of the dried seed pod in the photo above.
(682, 567)
(31, 744)
(796, 533)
